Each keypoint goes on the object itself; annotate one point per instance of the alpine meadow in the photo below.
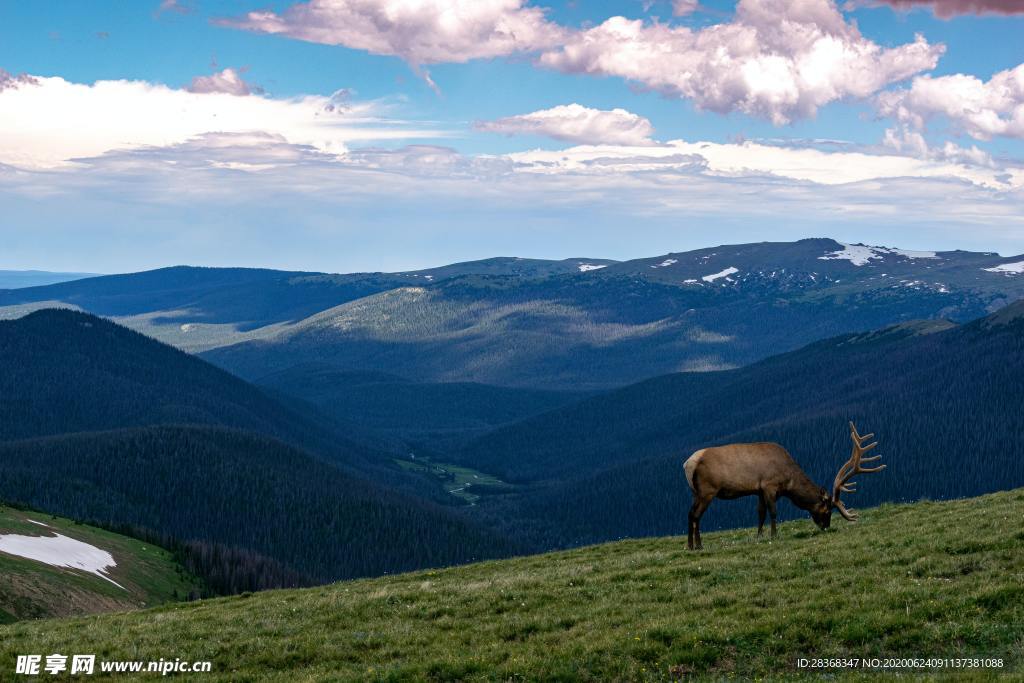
(511, 340)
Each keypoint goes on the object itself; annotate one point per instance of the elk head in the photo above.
(842, 484)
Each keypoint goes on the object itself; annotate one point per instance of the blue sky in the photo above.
(568, 143)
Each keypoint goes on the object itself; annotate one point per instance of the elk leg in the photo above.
(696, 511)
(770, 500)
(762, 510)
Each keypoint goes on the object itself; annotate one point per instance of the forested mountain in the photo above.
(567, 325)
(417, 411)
(215, 485)
(709, 310)
(64, 371)
(945, 401)
(142, 436)
(199, 308)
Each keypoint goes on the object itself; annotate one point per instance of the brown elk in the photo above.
(767, 470)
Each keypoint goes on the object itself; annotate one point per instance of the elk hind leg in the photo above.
(700, 504)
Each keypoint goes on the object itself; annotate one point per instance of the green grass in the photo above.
(457, 480)
(31, 590)
(929, 579)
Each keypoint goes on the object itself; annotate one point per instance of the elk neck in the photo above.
(803, 492)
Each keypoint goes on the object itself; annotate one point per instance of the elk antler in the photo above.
(853, 468)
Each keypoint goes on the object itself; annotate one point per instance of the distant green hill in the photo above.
(143, 575)
(924, 580)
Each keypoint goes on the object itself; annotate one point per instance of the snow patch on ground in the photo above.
(861, 254)
(35, 522)
(60, 551)
(723, 273)
(666, 263)
(1008, 268)
(584, 267)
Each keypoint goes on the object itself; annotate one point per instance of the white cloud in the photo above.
(982, 109)
(419, 31)
(754, 160)
(778, 59)
(227, 81)
(913, 143)
(48, 121)
(576, 123)
(681, 8)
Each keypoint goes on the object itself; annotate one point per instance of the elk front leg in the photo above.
(696, 511)
(762, 510)
(770, 502)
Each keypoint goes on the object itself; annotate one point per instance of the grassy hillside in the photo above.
(930, 579)
(31, 589)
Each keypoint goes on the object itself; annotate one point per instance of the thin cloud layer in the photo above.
(576, 123)
(73, 120)
(777, 59)
(756, 160)
(982, 109)
(247, 186)
(949, 8)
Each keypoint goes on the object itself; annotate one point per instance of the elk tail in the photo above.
(690, 466)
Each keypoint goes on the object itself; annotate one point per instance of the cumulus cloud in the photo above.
(949, 8)
(982, 109)
(576, 123)
(227, 81)
(422, 32)
(47, 121)
(778, 59)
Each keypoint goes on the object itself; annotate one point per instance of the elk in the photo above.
(768, 471)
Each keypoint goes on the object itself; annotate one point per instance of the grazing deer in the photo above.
(767, 470)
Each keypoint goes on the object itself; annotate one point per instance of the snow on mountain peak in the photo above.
(861, 254)
(1008, 268)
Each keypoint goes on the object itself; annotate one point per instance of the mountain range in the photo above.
(579, 324)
